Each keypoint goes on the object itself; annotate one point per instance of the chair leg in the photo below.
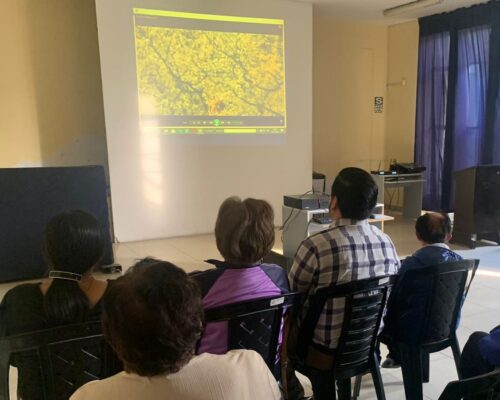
(425, 366)
(377, 378)
(344, 389)
(357, 387)
(411, 366)
(455, 348)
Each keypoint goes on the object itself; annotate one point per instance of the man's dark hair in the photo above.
(433, 227)
(356, 193)
(153, 318)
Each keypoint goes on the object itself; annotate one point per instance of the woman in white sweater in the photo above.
(153, 319)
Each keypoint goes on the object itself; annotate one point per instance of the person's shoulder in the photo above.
(238, 356)
(23, 291)
(271, 266)
(325, 236)
(200, 275)
(274, 271)
(206, 279)
(436, 254)
(410, 262)
(246, 367)
(455, 256)
(87, 391)
(380, 234)
(243, 358)
(101, 389)
(92, 389)
(229, 361)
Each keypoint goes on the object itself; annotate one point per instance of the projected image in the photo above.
(202, 74)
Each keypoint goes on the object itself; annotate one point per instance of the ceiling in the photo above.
(371, 10)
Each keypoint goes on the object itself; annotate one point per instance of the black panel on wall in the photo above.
(477, 210)
(488, 198)
(29, 198)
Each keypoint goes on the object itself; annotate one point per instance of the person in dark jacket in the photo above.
(74, 243)
(481, 353)
(404, 311)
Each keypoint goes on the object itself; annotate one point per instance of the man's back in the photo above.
(409, 298)
(429, 255)
(350, 250)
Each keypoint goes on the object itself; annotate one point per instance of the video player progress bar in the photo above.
(240, 130)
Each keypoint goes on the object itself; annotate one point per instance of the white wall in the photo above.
(164, 186)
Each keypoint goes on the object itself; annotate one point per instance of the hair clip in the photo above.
(65, 275)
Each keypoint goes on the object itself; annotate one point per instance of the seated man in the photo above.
(153, 319)
(350, 249)
(481, 354)
(405, 312)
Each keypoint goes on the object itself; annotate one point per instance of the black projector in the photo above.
(307, 201)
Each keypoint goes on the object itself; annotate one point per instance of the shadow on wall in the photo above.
(67, 79)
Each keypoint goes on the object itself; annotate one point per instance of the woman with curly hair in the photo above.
(153, 319)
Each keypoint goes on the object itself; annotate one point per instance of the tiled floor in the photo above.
(480, 312)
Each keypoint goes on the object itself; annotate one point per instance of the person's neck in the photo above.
(440, 244)
(86, 282)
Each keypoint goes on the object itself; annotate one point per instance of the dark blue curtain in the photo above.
(458, 114)
(432, 89)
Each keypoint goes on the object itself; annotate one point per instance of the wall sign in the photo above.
(379, 104)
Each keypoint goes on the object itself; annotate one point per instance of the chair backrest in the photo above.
(55, 362)
(484, 387)
(255, 324)
(365, 302)
(448, 284)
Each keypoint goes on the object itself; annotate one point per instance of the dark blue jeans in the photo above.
(471, 362)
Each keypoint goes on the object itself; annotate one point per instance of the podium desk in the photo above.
(413, 185)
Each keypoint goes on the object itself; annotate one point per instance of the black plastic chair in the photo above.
(58, 360)
(484, 387)
(449, 283)
(365, 302)
(256, 324)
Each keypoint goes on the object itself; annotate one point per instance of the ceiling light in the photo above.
(408, 7)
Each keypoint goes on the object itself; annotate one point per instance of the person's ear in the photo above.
(333, 203)
(448, 237)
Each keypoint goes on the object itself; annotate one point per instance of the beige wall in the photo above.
(402, 63)
(352, 63)
(51, 110)
(349, 70)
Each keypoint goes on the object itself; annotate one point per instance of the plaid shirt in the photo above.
(349, 250)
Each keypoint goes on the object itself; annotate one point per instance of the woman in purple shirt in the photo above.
(244, 233)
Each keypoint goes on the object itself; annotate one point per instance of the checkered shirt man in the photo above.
(349, 250)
